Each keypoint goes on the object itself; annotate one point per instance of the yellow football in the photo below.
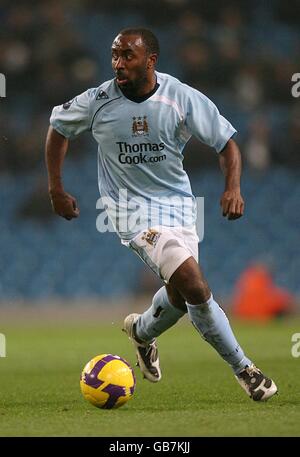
(107, 381)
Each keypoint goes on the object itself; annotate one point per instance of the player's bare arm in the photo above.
(56, 148)
(231, 202)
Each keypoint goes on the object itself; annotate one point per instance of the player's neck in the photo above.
(142, 98)
(147, 87)
(143, 90)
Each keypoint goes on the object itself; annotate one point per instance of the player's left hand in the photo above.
(232, 204)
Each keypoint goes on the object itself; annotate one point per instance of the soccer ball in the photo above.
(107, 381)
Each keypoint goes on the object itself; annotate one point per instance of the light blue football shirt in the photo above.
(140, 149)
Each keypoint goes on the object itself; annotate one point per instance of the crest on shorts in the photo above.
(140, 126)
(151, 236)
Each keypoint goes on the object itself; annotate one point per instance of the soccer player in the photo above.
(141, 120)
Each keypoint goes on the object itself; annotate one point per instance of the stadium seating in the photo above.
(42, 256)
(50, 257)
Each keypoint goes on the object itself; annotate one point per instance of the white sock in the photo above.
(158, 318)
(212, 323)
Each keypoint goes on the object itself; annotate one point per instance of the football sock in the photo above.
(212, 323)
(159, 317)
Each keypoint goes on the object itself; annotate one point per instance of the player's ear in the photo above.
(152, 59)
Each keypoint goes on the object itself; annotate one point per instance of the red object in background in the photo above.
(256, 296)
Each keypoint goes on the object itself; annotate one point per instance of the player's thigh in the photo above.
(164, 249)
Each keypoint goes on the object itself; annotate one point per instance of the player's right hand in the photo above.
(64, 204)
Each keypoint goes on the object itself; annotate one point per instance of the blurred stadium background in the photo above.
(241, 54)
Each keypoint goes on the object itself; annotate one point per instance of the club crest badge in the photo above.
(140, 126)
(151, 236)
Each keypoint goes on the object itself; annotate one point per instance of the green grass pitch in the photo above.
(198, 395)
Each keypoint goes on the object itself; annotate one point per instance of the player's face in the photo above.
(131, 63)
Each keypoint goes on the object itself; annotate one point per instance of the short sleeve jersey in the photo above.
(140, 148)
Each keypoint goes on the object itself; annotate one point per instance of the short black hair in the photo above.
(149, 39)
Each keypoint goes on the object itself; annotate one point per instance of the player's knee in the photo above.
(180, 304)
(198, 294)
(176, 299)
